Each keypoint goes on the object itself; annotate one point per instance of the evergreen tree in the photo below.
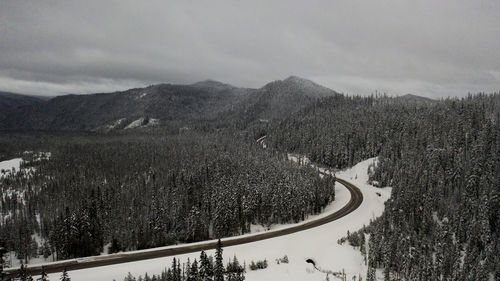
(176, 270)
(234, 271)
(3, 252)
(187, 270)
(219, 266)
(371, 273)
(206, 267)
(179, 275)
(169, 276)
(43, 275)
(65, 276)
(193, 272)
(23, 273)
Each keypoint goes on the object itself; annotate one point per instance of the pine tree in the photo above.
(219, 266)
(169, 275)
(23, 273)
(206, 267)
(43, 275)
(65, 276)
(193, 272)
(129, 277)
(187, 272)
(234, 271)
(371, 273)
(362, 246)
(3, 251)
(176, 270)
(179, 271)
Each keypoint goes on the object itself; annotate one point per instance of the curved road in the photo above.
(88, 262)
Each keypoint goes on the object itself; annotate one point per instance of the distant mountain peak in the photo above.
(293, 78)
(212, 84)
(300, 81)
(411, 96)
(301, 85)
(415, 98)
(303, 82)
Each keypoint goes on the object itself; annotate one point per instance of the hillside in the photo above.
(160, 104)
(12, 101)
(91, 112)
(283, 97)
(441, 159)
(415, 98)
(279, 99)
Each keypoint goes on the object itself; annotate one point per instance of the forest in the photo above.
(139, 190)
(205, 269)
(442, 159)
(135, 192)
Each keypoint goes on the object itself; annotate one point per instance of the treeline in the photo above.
(442, 159)
(136, 192)
(206, 269)
(24, 275)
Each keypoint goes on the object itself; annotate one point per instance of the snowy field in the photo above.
(319, 244)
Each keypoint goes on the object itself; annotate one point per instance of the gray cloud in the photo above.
(431, 48)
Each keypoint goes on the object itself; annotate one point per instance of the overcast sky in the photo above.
(431, 48)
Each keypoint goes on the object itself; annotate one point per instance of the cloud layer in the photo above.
(431, 48)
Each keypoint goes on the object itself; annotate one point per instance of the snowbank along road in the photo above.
(95, 261)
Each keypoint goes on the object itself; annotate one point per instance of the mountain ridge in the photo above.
(415, 98)
(167, 103)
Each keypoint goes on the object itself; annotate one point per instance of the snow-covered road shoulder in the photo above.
(320, 243)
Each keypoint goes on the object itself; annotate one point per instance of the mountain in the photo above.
(415, 98)
(213, 85)
(101, 111)
(280, 99)
(9, 101)
(307, 87)
(163, 103)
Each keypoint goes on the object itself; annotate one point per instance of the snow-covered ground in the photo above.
(319, 244)
(116, 124)
(8, 166)
(12, 167)
(142, 122)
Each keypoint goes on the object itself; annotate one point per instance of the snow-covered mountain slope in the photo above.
(143, 122)
(319, 244)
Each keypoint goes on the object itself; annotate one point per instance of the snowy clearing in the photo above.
(13, 166)
(319, 244)
(7, 167)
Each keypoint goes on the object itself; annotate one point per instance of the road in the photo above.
(95, 261)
